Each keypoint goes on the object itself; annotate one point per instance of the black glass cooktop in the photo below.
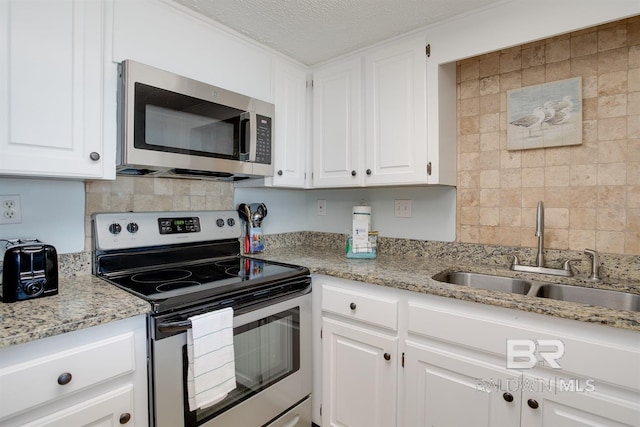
(209, 276)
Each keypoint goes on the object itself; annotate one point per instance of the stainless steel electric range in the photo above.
(189, 263)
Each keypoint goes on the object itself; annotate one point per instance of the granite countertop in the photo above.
(415, 274)
(85, 300)
(82, 301)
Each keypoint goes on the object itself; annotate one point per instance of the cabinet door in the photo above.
(290, 126)
(337, 124)
(52, 98)
(566, 401)
(396, 117)
(359, 383)
(109, 410)
(446, 389)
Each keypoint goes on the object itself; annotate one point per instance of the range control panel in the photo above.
(179, 225)
(139, 229)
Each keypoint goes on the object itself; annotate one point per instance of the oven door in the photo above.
(273, 370)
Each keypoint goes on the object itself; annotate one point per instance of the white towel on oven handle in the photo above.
(211, 373)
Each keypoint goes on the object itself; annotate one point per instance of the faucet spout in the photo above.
(540, 233)
(539, 267)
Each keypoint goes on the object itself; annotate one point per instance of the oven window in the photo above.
(266, 351)
(169, 121)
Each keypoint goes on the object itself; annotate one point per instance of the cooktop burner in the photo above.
(160, 276)
(170, 286)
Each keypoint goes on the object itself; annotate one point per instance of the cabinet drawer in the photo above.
(489, 329)
(373, 309)
(36, 381)
(105, 410)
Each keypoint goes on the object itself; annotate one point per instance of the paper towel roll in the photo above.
(362, 212)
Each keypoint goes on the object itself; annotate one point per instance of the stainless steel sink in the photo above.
(600, 297)
(485, 281)
(617, 300)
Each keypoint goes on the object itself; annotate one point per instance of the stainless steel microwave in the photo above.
(171, 125)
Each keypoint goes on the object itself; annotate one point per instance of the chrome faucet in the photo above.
(540, 267)
(595, 265)
(540, 233)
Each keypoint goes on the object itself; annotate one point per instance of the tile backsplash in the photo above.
(154, 194)
(591, 191)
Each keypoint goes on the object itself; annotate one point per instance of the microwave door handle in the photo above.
(245, 121)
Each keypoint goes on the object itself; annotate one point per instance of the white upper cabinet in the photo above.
(57, 91)
(396, 115)
(337, 124)
(370, 123)
(290, 133)
(165, 35)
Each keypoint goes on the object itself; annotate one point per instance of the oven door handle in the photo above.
(174, 327)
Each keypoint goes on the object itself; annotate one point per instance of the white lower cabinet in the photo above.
(91, 377)
(472, 364)
(108, 410)
(454, 363)
(361, 375)
(443, 389)
(359, 355)
(566, 403)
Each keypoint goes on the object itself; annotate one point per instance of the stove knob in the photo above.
(132, 227)
(115, 228)
(231, 222)
(220, 222)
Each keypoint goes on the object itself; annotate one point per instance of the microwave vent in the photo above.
(137, 171)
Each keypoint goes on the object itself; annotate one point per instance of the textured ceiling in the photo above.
(314, 31)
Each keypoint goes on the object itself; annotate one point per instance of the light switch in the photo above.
(403, 208)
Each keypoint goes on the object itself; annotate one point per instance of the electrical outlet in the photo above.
(403, 208)
(321, 207)
(10, 209)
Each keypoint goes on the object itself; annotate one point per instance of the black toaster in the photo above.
(29, 270)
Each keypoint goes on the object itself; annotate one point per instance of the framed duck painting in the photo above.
(545, 115)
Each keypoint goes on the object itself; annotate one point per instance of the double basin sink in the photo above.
(598, 297)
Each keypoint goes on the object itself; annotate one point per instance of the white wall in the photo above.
(433, 210)
(52, 211)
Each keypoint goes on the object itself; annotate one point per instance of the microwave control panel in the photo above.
(263, 140)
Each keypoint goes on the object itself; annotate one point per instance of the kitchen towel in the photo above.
(212, 372)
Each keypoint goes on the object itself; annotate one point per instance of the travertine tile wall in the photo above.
(154, 194)
(591, 191)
